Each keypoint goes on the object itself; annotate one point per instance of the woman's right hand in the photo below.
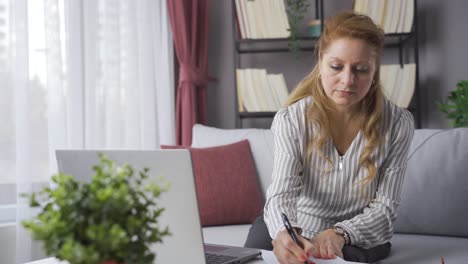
(288, 252)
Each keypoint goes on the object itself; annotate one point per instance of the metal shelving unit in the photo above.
(401, 41)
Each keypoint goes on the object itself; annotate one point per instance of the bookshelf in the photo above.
(405, 45)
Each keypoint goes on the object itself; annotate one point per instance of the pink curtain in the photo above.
(189, 24)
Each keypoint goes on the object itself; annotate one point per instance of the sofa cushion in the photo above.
(434, 197)
(227, 187)
(261, 143)
(423, 249)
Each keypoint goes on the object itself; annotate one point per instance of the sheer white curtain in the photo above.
(81, 74)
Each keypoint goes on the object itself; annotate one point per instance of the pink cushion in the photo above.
(227, 187)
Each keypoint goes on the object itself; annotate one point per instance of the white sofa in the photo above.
(433, 216)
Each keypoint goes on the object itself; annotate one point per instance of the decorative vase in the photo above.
(314, 28)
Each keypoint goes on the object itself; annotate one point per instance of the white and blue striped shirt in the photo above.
(315, 200)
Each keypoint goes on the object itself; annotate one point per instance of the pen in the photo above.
(290, 230)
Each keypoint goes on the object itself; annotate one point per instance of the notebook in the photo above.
(180, 202)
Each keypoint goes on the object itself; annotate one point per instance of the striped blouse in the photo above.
(317, 195)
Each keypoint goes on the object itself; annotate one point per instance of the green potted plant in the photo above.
(112, 219)
(296, 10)
(456, 105)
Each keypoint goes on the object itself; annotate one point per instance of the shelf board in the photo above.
(248, 115)
(412, 109)
(272, 45)
(243, 115)
(306, 43)
(396, 39)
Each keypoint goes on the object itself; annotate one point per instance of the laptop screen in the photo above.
(180, 202)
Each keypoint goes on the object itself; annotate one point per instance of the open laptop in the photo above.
(180, 202)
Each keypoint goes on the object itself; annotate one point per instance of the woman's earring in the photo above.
(319, 76)
(373, 81)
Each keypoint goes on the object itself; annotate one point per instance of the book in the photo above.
(390, 73)
(240, 20)
(240, 86)
(399, 83)
(258, 91)
(395, 16)
(402, 16)
(244, 17)
(266, 96)
(409, 16)
(408, 85)
(251, 21)
(388, 15)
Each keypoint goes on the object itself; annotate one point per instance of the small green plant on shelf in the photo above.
(456, 105)
(112, 219)
(295, 10)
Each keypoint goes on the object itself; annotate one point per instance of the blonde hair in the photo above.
(345, 25)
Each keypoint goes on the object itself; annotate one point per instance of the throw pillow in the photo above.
(227, 187)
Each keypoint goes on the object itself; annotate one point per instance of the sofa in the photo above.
(432, 219)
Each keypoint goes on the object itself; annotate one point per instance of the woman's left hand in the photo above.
(327, 245)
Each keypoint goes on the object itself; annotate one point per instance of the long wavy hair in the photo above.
(345, 25)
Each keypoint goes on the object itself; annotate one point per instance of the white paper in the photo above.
(48, 261)
(270, 258)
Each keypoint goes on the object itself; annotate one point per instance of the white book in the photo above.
(280, 29)
(245, 19)
(258, 89)
(282, 89)
(250, 97)
(284, 18)
(245, 92)
(251, 21)
(372, 12)
(259, 12)
(358, 6)
(398, 85)
(366, 7)
(381, 12)
(395, 16)
(239, 90)
(408, 23)
(388, 16)
(391, 76)
(268, 21)
(272, 82)
(402, 16)
(266, 95)
(384, 79)
(407, 86)
(240, 20)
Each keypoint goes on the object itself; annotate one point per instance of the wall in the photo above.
(443, 56)
(442, 59)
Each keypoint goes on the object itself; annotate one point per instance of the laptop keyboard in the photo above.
(217, 259)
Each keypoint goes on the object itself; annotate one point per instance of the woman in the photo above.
(340, 152)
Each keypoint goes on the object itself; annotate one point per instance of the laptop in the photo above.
(180, 202)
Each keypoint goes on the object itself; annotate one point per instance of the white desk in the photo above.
(55, 261)
(47, 261)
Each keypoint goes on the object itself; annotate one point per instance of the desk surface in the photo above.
(258, 260)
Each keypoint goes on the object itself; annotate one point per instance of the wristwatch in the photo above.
(341, 232)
